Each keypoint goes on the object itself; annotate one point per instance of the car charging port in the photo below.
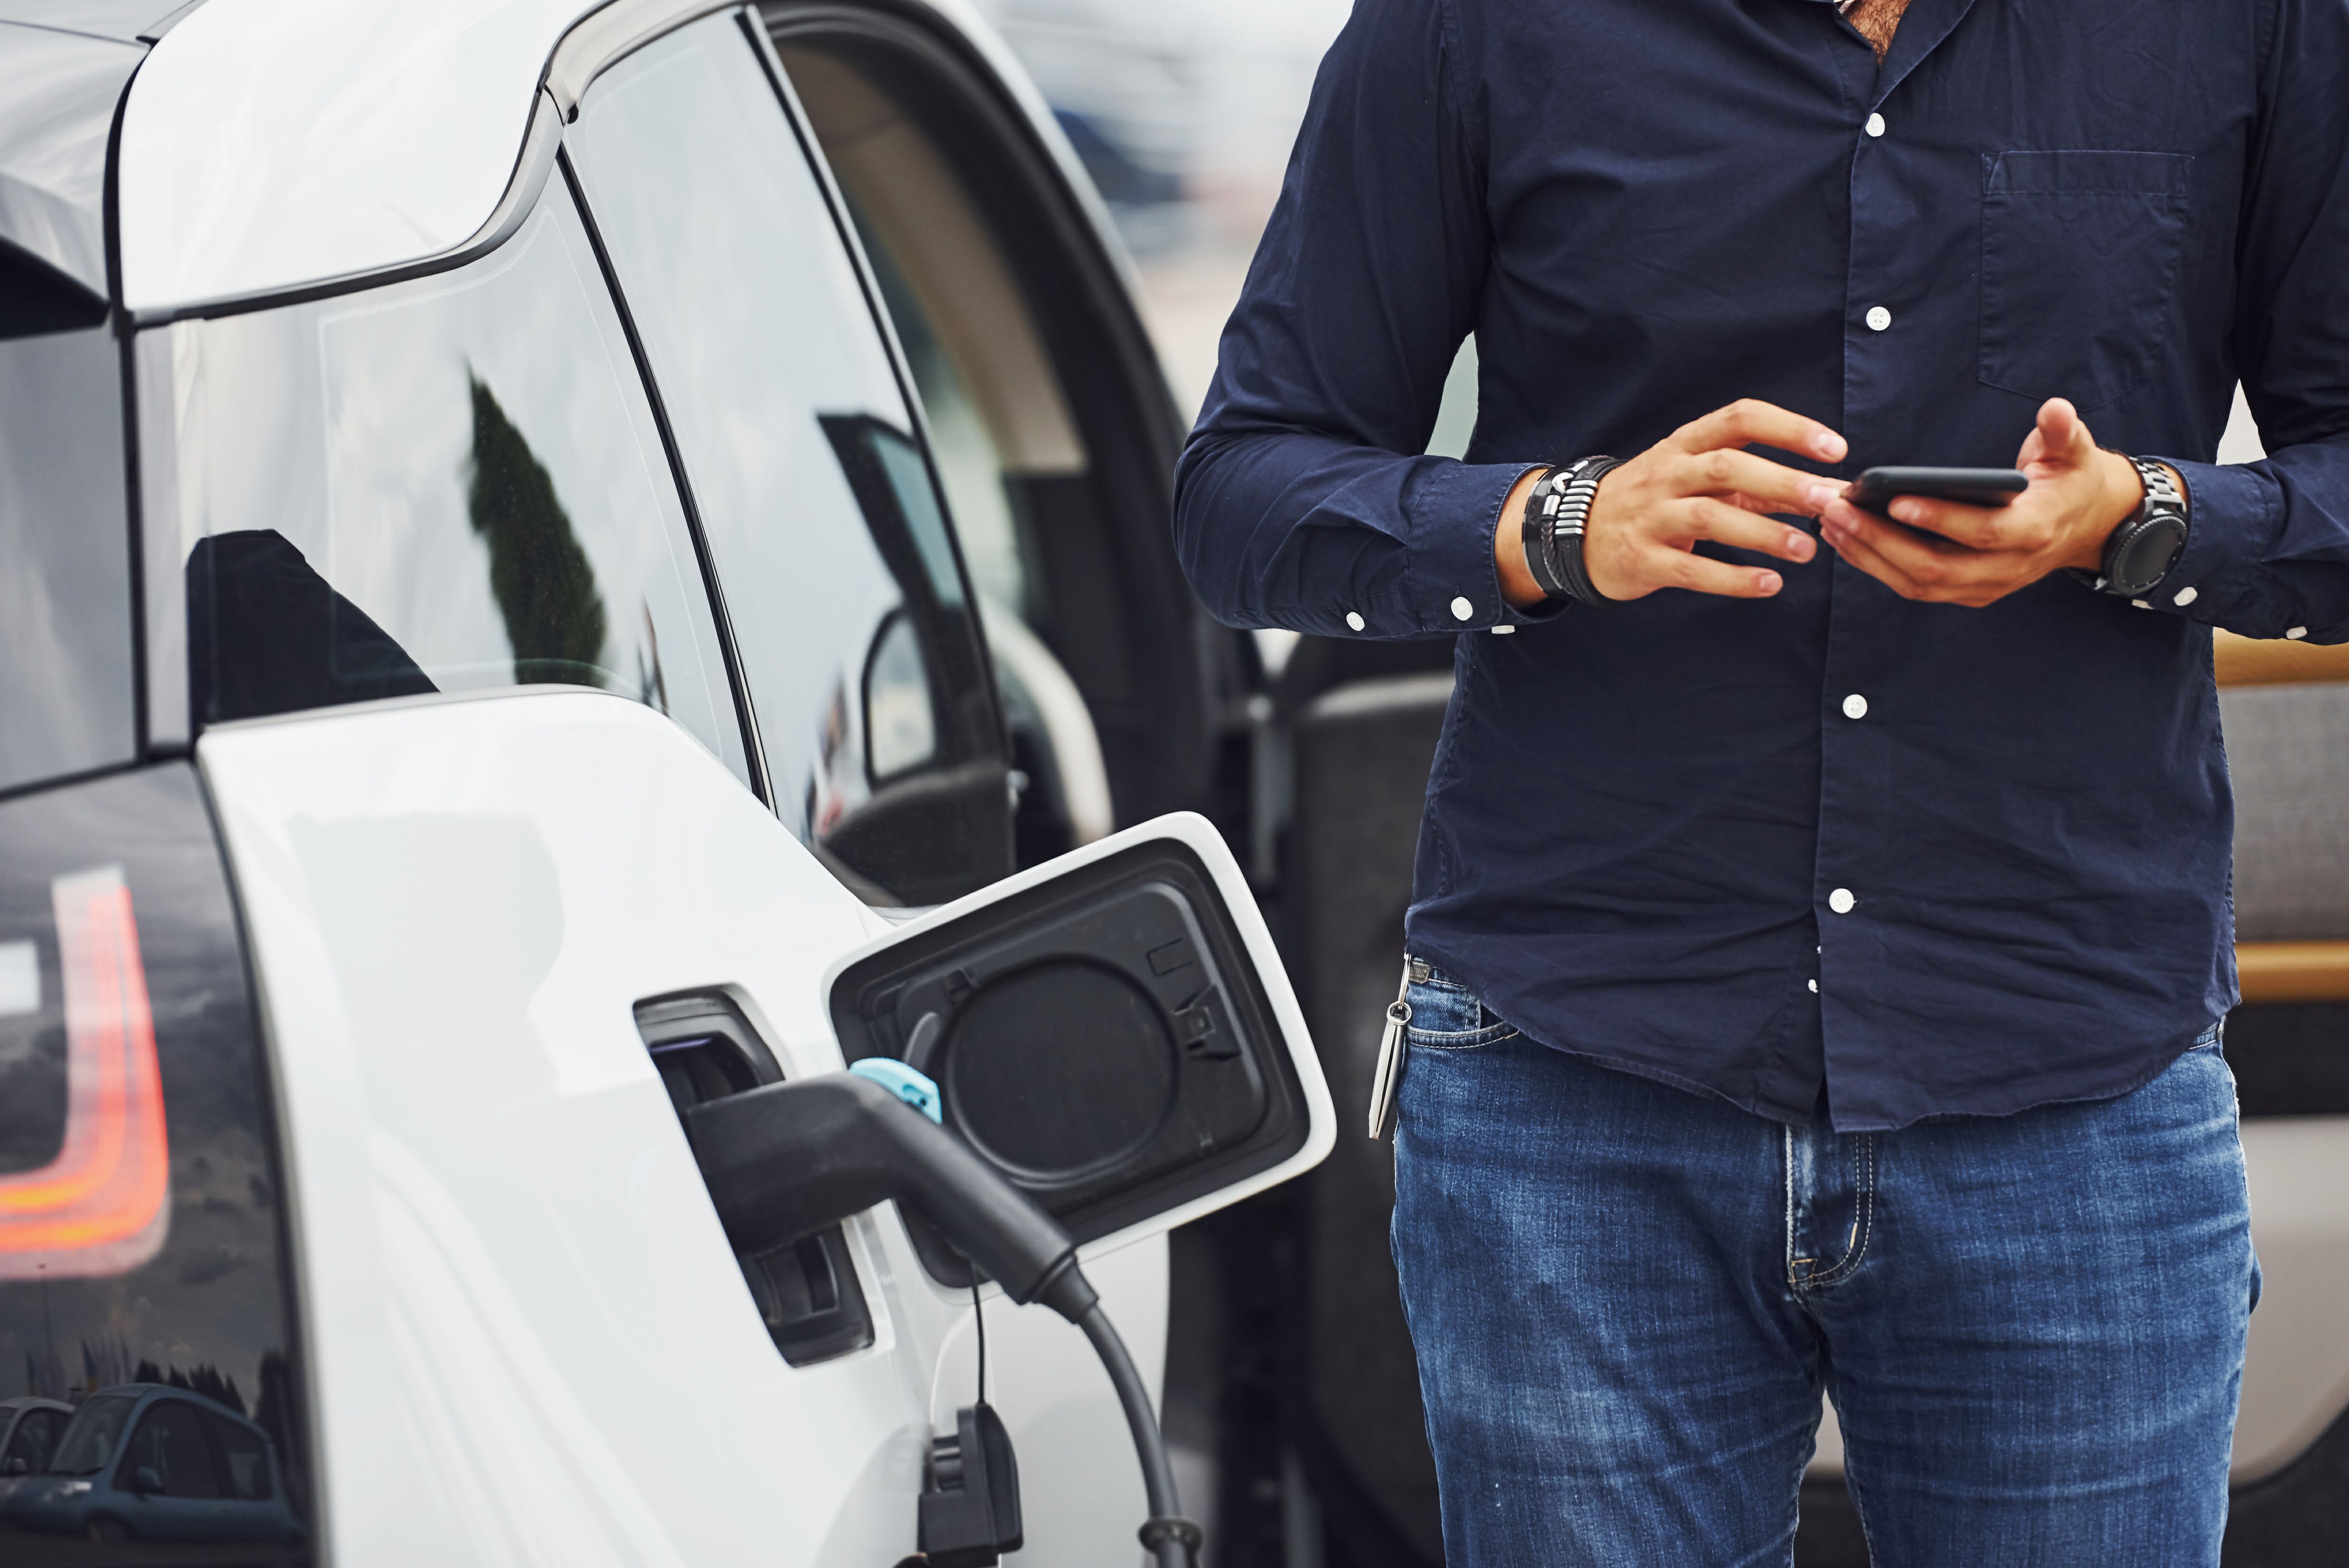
(706, 1047)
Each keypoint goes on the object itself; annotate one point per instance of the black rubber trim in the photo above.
(754, 751)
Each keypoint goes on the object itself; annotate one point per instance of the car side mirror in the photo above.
(144, 1481)
(1112, 1030)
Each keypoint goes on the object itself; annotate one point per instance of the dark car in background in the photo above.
(150, 1462)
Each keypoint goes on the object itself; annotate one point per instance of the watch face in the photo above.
(2147, 555)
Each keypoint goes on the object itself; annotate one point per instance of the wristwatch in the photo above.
(2144, 548)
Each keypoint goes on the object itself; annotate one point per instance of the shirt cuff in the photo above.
(1452, 582)
(2232, 513)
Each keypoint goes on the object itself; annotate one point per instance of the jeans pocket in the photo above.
(1445, 1015)
(2080, 256)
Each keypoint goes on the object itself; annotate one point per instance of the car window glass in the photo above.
(1010, 453)
(244, 1458)
(66, 703)
(95, 1430)
(444, 485)
(30, 1444)
(998, 412)
(857, 640)
(170, 1442)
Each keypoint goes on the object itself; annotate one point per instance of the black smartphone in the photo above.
(1969, 487)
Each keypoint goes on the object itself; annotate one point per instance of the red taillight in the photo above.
(103, 1205)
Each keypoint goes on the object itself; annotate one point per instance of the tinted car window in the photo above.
(857, 635)
(443, 485)
(95, 1433)
(243, 1459)
(168, 1444)
(30, 1444)
(66, 693)
(141, 1232)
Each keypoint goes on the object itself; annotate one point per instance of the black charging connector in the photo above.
(970, 1509)
(786, 1159)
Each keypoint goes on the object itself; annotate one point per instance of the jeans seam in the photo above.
(1851, 1481)
(1843, 1270)
(1461, 1039)
(1792, 1278)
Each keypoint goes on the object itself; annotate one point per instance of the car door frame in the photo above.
(1047, 221)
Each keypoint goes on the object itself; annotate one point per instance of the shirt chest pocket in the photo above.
(2081, 252)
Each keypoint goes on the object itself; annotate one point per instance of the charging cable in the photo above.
(786, 1159)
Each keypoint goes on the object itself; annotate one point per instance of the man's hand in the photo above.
(1694, 484)
(1977, 555)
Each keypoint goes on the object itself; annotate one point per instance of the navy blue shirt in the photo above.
(1936, 859)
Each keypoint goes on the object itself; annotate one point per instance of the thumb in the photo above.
(2062, 436)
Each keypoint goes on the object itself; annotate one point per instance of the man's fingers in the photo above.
(1749, 422)
(1975, 527)
(1703, 574)
(2061, 433)
(1727, 471)
(1854, 550)
(1920, 567)
(1725, 524)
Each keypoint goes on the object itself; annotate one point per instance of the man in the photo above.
(1817, 954)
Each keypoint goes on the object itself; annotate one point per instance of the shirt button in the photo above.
(2297, 632)
(2185, 596)
(1879, 318)
(1354, 619)
(1840, 900)
(1876, 125)
(1463, 610)
(1854, 707)
(1814, 986)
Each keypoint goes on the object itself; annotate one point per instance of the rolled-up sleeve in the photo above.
(1297, 500)
(2268, 553)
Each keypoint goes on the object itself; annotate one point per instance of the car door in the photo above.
(1047, 419)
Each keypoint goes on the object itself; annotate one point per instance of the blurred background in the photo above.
(1183, 111)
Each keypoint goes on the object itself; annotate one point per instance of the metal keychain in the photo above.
(1387, 1077)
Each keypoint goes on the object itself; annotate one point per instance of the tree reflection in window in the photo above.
(539, 573)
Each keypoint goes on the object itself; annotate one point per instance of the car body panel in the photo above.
(344, 140)
(521, 1304)
(57, 93)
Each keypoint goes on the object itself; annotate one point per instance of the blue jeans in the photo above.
(1626, 1298)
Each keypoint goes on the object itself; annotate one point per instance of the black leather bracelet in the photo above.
(1556, 512)
(1534, 535)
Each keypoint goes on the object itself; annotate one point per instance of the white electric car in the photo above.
(518, 626)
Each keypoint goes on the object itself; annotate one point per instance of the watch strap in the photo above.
(2163, 511)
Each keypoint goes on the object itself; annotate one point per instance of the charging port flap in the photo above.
(1112, 1030)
